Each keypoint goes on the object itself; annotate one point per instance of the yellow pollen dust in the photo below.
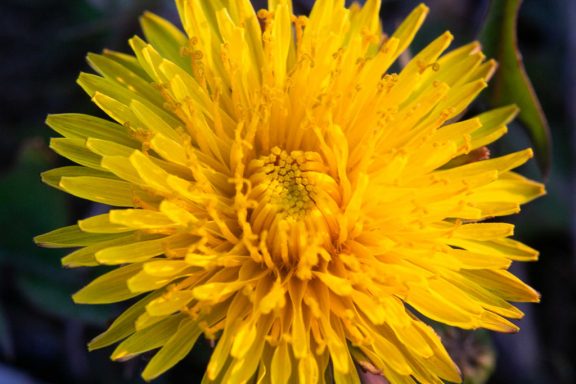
(282, 176)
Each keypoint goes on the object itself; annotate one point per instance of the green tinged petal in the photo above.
(72, 236)
(101, 190)
(123, 326)
(166, 38)
(177, 347)
(76, 125)
(147, 339)
(108, 288)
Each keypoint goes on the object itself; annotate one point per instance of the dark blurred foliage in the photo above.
(43, 334)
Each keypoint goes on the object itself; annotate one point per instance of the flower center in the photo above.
(285, 181)
(294, 208)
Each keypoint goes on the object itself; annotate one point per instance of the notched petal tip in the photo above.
(536, 296)
(447, 35)
(422, 9)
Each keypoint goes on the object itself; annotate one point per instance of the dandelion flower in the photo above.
(277, 189)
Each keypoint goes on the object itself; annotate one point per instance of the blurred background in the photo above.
(43, 335)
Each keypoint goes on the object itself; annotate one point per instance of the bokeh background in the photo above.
(43, 334)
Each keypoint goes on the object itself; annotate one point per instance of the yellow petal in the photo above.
(243, 340)
(169, 303)
(86, 257)
(484, 231)
(175, 349)
(140, 219)
(75, 150)
(407, 30)
(101, 190)
(308, 371)
(72, 236)
(147, 339)
(108, 288)
(133, 252)
(102, 224)
(493, 125)
(281, 367)
(128, 62)
(509, 248)
(165, 268)
(338, 285)
(165, 37)
(504, 284)
(123, 325)
(53, 176)
(75, 125)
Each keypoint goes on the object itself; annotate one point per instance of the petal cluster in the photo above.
(277, 188)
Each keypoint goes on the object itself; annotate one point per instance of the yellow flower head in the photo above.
(278, 191)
